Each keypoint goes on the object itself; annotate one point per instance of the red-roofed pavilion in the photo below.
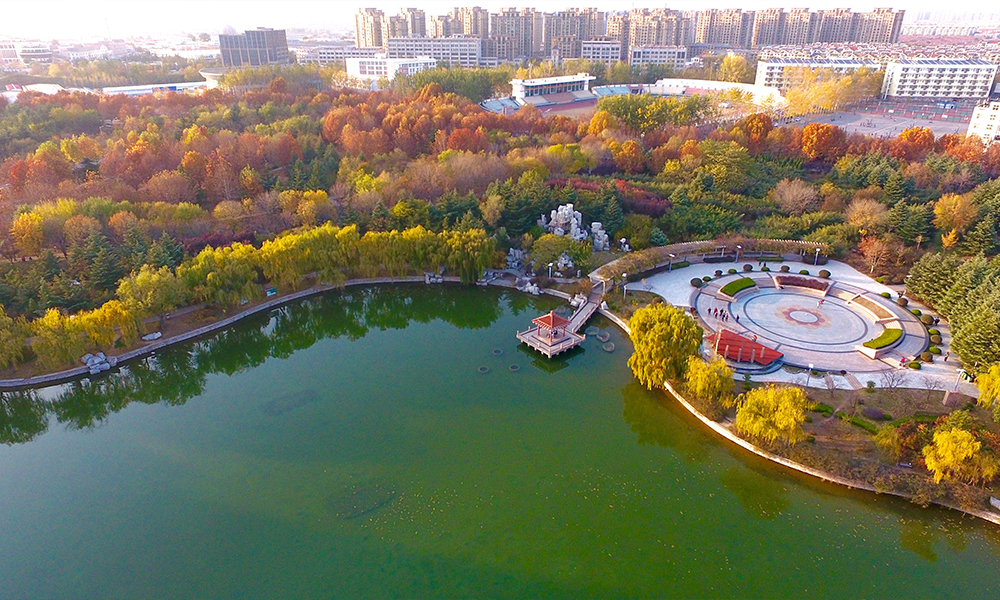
(734, 346)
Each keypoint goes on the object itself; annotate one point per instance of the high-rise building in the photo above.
(255, 47)
(394, 26)
(881, 26)
(602, 50)
(473, 21)
(368, 28)
(768, 27)
(513, 32)
(942, 78)
(730, 27)
(837, 25)
(800, 27)
(440, 26)
(416, 22)
(986, 123)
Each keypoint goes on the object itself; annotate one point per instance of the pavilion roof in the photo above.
(738, 348)
(551, 321)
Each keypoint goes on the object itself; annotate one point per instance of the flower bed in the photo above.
(804, 282)
(734, 287)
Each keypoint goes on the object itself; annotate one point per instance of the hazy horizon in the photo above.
(125, 19)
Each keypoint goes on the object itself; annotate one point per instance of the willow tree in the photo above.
(470, 252)
(13, 334)
(772, 413)
(956, 454)
(664, 338)
(711, 382)
(989, 390)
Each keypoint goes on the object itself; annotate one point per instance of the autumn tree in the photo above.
(875, 251)
(13, 335)
(629, 157)
(151, 291)
(989, 390)
(866, 214)
(822, 141)
(735, 68)
(772, 413)
(27, 233)
(954, 212)
(956, 454)
(664, 339)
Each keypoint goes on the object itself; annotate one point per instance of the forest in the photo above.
(99, 195)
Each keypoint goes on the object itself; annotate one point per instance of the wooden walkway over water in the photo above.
(551, 343)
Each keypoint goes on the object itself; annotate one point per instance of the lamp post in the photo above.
(816, 262)
(550, 270)
(624, 289)
(738, 248)
(670, 265)
(809, 374)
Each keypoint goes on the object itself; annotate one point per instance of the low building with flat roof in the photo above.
(527, 88)
(784, 73)
(380, 66)
(673, 56)
(939, 78)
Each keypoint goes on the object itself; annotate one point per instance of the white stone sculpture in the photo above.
(599, 237)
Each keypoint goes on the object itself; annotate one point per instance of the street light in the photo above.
(816, 262)
(738, 248)
(624, 289)
(670, 265)
(809, 374)
(550, 270)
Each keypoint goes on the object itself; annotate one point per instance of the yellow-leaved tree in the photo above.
(955, 454)
(772, 413)
(989, 390)
(710, 382)
(664, 339)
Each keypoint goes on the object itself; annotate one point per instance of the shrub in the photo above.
(888, 338)
(811, 439)
(926, 357)
(886, 295)
(820, 407)
(706, 279)
(824, 274)
(718, 272)
(734, 287)
(696, 282)
(870, 387)
(933, 331)
(680, 264)
(934, 350)
(869, 427)
(874, 414)
(927, 320)
(935, 339)
(732, 271)
(765, 269)
(784, 268)
(914, 365)
(915, 312)
(804, 272)
(880, 279)
(747, 268)
(902, 301)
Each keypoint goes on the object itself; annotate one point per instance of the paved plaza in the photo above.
(810, 327)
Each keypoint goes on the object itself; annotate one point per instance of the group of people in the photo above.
(722, 315)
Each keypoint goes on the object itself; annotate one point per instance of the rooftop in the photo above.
(551, 80)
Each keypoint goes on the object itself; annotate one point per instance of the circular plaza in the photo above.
(810, 321)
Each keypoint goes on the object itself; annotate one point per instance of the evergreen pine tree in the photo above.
(968, 275)
(381, 219)
(657, 237)
(894, 188)
(983, 237)
(978, 341)
(106, 270)
(614, 220)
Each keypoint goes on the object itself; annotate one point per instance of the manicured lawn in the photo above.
(734, 287)
(888, 338)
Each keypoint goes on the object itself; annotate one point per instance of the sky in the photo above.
(90, 19)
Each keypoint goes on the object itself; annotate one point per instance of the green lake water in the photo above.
(347, 446)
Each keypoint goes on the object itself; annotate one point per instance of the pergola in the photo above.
(552, 323)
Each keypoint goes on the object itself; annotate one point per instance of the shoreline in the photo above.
(82, 371)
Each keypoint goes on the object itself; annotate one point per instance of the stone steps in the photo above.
(855, 383)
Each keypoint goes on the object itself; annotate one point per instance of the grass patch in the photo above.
(734, 287)
(888, 338)
(820, 407)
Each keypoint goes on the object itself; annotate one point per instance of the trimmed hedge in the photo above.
(804, 272)
(706, 279)
(914, 365)
(765, 269)
(933, 331)
(935, 339)
(886, 295)
(732, 271)
(784, 268)
(934, 350)
(747, 268)
(697, 283)
(915, 312)
(719, 259)
(888, 338)
(859, 422)
(820, 407)
(927, 320)
(734, 287)
(824, 274)
(718, 272)
(901, 301)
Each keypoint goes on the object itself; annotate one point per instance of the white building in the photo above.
(784, 73)
(380, 66)
(602, 51)
(527, 88)
(672, 56)
(8, 53)
(986, 123)
(325, 55)
(941, 78)
(38, 52)
(460, 51)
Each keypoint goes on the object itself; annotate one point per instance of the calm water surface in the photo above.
(348, 447)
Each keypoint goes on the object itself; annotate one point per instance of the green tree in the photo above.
(772, 413)
(151, 291)
(890, 441)
(13, 334)
(956, 454)
(664, 338)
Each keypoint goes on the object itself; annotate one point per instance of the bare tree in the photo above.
(892, 379)
(794, 196)
(875, 250)
(931, 385)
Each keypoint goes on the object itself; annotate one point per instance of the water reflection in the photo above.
(652, 421)
(177, 374)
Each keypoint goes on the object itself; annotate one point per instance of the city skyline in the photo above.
(120, 19)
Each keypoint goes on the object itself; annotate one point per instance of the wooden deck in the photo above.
(562, 342)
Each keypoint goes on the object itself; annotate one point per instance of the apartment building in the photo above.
(325, 55)
(941, 78)
(378, 67)
(986, 123)
(368, 28)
